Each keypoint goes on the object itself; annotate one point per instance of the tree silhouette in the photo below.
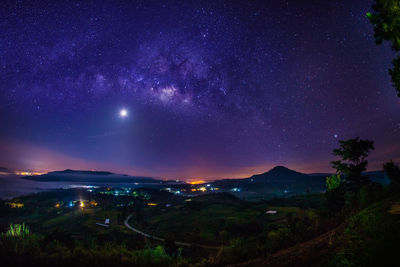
(393, 171)
(386, 22)
(353, 154)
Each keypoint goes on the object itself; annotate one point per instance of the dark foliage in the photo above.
(386, 22)
(393, 171)
(353, 154)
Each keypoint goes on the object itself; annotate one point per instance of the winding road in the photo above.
(178, 243)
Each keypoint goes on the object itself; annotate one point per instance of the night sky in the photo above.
(211, 89)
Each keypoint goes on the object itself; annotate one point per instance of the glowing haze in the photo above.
(191, 90)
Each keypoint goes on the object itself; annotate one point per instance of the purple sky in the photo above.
(217, 89)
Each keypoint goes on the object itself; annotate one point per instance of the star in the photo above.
(193, 85)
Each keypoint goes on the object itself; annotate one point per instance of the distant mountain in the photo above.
(69, 171)
(277, 182)
(378, 177)
(90, 176)
(375, 176)
(278, 178)
(280, 174)
(3, 169)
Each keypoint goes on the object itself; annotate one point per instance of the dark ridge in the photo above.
(90, 176)
(81, 172)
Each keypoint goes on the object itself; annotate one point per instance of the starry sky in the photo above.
(211, 89)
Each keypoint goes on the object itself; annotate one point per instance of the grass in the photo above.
(18, 230)
(212, 224)
(371, 237)
(216, 220)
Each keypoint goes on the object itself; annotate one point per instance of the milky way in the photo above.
(212, 89)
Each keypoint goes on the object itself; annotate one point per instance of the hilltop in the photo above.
(90, 176)
(280, 174)
(280, 181)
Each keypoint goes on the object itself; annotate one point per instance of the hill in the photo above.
(277, 182)
(369, 238)
(281, 181)
(376, 176)
(280, 174)
(69, 171)
(4, 170)
(90, 176)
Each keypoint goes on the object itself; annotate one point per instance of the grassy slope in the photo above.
(209, 222)
(370, 238)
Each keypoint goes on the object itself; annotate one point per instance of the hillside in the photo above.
(278, 174)
(90, 176)
(281, 174)
(368, 238)
(277, 182)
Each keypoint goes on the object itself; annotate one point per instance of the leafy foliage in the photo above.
(395, 74)
(353, 154)
(333, 181)
(386, 22)
(370, 238)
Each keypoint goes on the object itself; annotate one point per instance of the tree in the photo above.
(334, 195)
(393, 171)
(333, 181)
(386, 22)
(353, 154)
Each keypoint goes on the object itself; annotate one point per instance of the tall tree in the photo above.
(393, 171)
(353, 154)
(386, 22)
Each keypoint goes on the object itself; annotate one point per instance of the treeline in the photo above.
(59, 249)
(349, 190)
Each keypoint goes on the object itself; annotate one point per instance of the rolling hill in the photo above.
(277, 182)
(90, 176)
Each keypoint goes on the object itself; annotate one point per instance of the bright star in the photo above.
(123, 113)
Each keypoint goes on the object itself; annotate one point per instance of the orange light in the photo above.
(197, 182)
(57, 205)
(82, 204)
(203, 189)
(15, 205)
(28, 173)
(152, 204)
